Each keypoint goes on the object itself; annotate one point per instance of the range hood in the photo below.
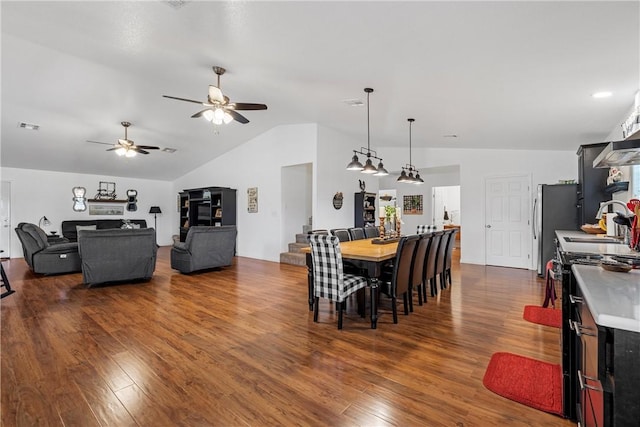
(619, 153)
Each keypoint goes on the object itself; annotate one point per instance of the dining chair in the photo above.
(357, 233)
(417, 268)
(371, 232)
(448, 255)
(421, 229)
(399, 281)
(430, 268)
(329, 279)
(342, 234)
(440, 259)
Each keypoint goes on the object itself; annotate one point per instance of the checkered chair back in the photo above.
(329, 279)
(424, 229)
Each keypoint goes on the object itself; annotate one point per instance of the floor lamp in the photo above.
(155, 210)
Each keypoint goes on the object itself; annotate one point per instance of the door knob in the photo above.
(488, 225)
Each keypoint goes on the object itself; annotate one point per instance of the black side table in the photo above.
(55, 238)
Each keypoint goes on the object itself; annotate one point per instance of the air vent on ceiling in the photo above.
(451, 135)
(176, 4)
(353, 102)
(28, 126)
(169, 150)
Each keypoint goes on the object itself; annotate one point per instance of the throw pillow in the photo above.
(85, 227)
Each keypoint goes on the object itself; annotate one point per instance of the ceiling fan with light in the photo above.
(126, 147)
(219, 109)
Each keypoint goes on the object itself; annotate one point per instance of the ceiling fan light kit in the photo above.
(126, 147)
(405, 177)
(368, 167)
(219, 110)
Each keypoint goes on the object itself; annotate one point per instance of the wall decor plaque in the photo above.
(337, 200)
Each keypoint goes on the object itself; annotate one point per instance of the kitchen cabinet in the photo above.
(364, 210)
(607, 357)
(592, 183)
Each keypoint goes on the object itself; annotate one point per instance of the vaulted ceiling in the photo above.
(516, 75)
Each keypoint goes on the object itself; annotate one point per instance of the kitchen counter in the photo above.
(615, 249)
(613, 298)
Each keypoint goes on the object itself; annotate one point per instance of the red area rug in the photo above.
(543, 316)
(528, 381)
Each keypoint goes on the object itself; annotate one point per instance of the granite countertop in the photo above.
(616, 249)
(613, 298)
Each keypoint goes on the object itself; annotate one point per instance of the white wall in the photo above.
(546, 167)
(35, 193)
(257, 163)
(331, 176)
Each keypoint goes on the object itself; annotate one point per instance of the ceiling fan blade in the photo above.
(139, 150)
(147, 147)
(200, 113)
(238, 117)
(247, 106)
(113, 148)
(184, 99)
(98, 142)
(215, 94)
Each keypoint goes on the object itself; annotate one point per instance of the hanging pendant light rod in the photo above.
(368, 167)
(409, 178)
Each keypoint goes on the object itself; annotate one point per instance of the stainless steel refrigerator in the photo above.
(554, 208)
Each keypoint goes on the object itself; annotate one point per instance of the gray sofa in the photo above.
(70, 231)
(117, 255)
(204, 248)
(43, 257)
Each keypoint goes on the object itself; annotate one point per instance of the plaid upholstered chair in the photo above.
(421, 229)
(329, 279)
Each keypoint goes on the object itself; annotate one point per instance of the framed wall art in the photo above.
(106, 210)
(412, 205)
(252, 200)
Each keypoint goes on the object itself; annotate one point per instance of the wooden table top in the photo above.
(364, 250)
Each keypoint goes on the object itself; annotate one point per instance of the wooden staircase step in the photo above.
(293, 258)
(302, 238)
(295, 247)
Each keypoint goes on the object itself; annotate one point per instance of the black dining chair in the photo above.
(329, 279)
(448, 255)
(417, 269)
(440, 259)
(342, 234)
(399, 282)
(357, 233)
(430, 269)
(371, 232)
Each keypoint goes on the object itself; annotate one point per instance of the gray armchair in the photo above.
(117, 255)
(44, 257)
(204, 248)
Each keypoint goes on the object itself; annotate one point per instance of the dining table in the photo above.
(365, 254)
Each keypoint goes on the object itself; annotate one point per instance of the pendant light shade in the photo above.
(369, 167)
(355, 164)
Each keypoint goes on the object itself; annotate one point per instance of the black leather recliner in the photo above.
(43, 257)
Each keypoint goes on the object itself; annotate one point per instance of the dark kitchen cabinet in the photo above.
(608, 372)
(591, 183)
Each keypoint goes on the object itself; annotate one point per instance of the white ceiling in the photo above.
(498, 74)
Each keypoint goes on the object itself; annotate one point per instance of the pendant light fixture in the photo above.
(409, 178)
(368, 167)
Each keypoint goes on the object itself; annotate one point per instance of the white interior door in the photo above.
(507, 221)
(5, 219)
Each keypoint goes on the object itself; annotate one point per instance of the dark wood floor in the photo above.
(239, 347)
